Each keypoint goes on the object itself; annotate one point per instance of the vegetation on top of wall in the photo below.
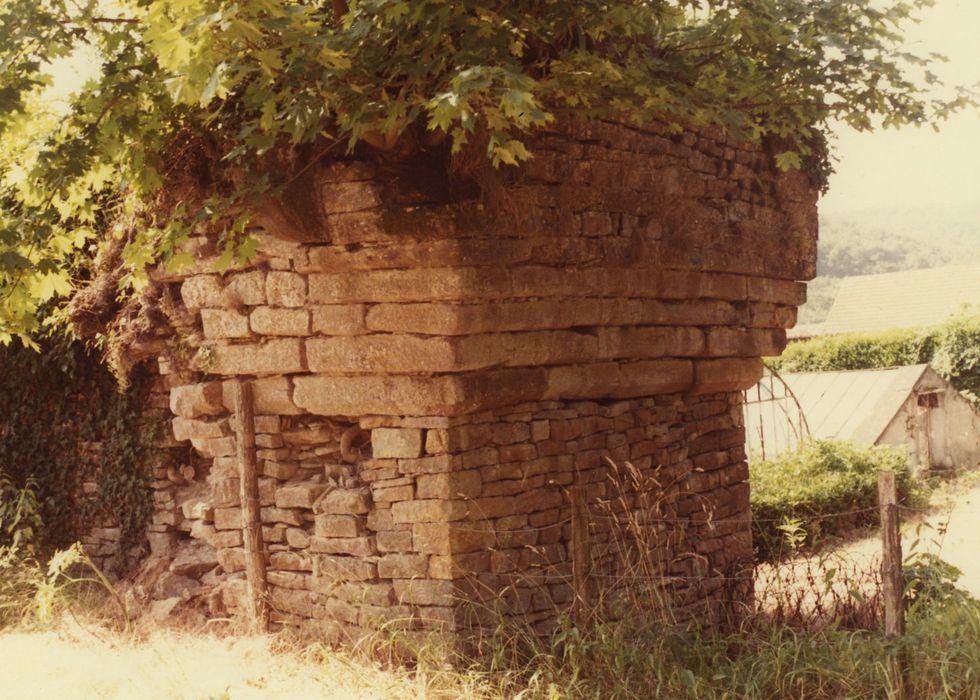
(824, 488)
(951, 348)
(198, 109)
(64, 422)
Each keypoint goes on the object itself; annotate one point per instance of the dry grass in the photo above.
(70, 660)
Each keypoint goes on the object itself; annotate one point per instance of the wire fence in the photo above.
(813, 588)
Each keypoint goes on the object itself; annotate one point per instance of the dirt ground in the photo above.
(951, 530)
(74, 663)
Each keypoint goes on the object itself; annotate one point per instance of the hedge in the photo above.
(826, 480)
(951, 348)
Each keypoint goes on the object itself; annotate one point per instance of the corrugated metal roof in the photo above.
(854, 405)
(906, 299)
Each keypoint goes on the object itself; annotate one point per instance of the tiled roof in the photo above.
(906, 299)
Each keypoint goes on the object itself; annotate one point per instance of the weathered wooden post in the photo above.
(581, 555)
(892, 583)
(258, 602)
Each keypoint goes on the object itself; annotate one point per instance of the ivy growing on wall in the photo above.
(64, 423)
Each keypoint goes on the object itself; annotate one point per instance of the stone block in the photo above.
(266, 320)
(279, 247)
(776, 291)
(332, 569)
(195, 400)
(295, 580)
(408, 395)
(732, 374)
(274, 356)
(276, 454)
(339, 526)
(343, 502)
(396, 443)
(161, 543)
(363, 546)
(409, 285)
(228, 518)
(231, 560)
(402, 566)
(225, 493)
(267, 424)
(437, 464)
(429, 510)
(342, 319)
(279, 470)
(392, 494)
(288, 516)
(244, 289)
(290, 561)
(285, 289)
(452, 538)
(190, 429)
(461, 484)
(201, 291)
(346, 197)
(437, 441)
(380, 353)
(215, 447)
(312, 435)
(735, 342)
(270, 394)
(224, 323)
(299, 603)
(394, 540)
(268, 442)
(458, 565)
(301, 495)
(424, 592)
(297, 538)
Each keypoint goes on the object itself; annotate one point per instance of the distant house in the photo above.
(912, 407)
(906, 299)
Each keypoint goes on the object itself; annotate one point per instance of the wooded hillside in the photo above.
(871, 241)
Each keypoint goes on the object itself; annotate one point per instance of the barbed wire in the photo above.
(644, 519)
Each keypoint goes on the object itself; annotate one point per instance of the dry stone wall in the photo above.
(431, 373)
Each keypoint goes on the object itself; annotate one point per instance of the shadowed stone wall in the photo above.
(433, 369)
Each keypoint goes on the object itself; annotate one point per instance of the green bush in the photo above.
(823, 478)
(952, 348)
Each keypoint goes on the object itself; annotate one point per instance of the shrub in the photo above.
(952, 348)
(63, 422)
(794, 494)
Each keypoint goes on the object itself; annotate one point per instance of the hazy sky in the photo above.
(912, 166)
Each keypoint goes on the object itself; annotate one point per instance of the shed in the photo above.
(906, 299)
(909, 406)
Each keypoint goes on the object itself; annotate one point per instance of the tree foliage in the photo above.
(215, 88)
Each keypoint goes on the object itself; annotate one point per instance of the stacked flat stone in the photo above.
(430, 376)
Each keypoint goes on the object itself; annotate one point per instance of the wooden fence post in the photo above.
(892, 580)
(258, 601)
(581, 555)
